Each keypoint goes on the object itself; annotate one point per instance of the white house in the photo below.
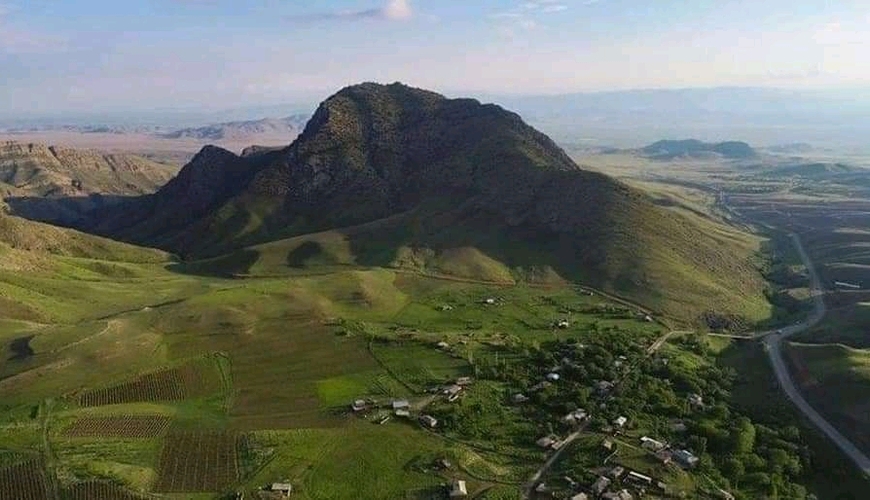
(458, 489)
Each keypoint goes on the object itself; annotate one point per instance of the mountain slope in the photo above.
(288, 127)
(669, 149)
(441, 185)
(57, 184)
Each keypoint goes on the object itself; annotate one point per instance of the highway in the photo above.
(773, 346)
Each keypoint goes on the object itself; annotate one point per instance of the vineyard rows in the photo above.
(98, 490)
(194, 379)
(24, 481)
(125, 426)
(198, 462)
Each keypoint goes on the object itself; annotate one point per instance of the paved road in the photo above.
(773, 346)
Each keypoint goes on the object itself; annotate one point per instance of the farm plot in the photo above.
(24, 481)
(198, 462)
(125, 426)
(98, 490)
(198, 378)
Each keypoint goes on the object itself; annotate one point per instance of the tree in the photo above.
(743, 437)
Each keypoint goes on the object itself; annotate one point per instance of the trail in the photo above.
(527, 489)
(111, 325)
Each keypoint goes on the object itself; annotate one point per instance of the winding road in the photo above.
(773, 346)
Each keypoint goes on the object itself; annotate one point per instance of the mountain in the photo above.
(670, 149)
(817, 170)
(288, 127)
(389, 175)
(57, 184)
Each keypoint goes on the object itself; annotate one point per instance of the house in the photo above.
(546, 442)
(600, 485)
(284, 488)
(608, 445)
(616, 472)
(620, 422)
(696, 401)
(458, 489)
(403, 413)
(443, 345)
(575, 417)
(648, 318)
(542, 488)
(541, 386)
(446, 307)
(580, 496)
(359, 405)
(443, 463)
(664, 456)
(553, 377)
(452, 390)
(638, 478)
(429, 421)
(519, 398)
(489, 301)
(562, 323)
(651, 444)
(401, 404)
(463, 381)
(685, 459)
(617, 495)
(603, 387)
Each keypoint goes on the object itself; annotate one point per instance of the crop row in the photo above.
(125, 426)
(24, 481)
(99, 490)
(198, 462)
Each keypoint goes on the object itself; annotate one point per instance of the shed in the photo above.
(458, 489)
(401, 404)
(359, 405)
(651, 444)
(403, 413)
(636, 477)
(429, 421)
(285, 488)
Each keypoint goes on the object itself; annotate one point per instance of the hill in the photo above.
(670, 149)
(815, 170)
(57, 184)
(288, 127)
(402, 177)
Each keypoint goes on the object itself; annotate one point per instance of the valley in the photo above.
(424, 297)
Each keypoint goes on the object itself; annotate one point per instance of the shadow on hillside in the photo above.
(231, 265)
(67, 211)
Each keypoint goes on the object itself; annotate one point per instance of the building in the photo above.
(638, 478)
(443, 345)
(359, 405)
(541, 386)
(429, 421)
(685, 459)
(553, 376)
(403, 413)
(463, 381)
(651, 444)
(616, 472)
(519, 398)
(575, 417)
(664, 456)
(452, 390)
(620, 422)
(563, 323)
(696, 401)
(458, 489)
(546, 442)
(401, 404)
(284, 488)
(600, 485)
(489, 301)
(603, 387)
(580, 496)
(617, 495)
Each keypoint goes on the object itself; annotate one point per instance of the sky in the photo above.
(108, 55)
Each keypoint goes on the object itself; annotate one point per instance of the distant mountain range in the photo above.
(288, 127)
(389, 175)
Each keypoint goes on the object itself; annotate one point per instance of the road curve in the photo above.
(773, 346)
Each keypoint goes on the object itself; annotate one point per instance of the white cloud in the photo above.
(525, 16)
(393, 10)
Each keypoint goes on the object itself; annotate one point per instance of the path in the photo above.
(527, 490)
(773, 346)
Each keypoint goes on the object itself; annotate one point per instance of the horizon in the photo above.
(213, 55)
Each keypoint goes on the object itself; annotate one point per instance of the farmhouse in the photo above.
(458, 489)
(600, 485)
(429, 421)
(620, 422)
(685, 458)
(283, 488)
(401, 404)
(519, 398)
(651, 444)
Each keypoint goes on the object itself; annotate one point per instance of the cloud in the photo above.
(394, 10)
(525, 16)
